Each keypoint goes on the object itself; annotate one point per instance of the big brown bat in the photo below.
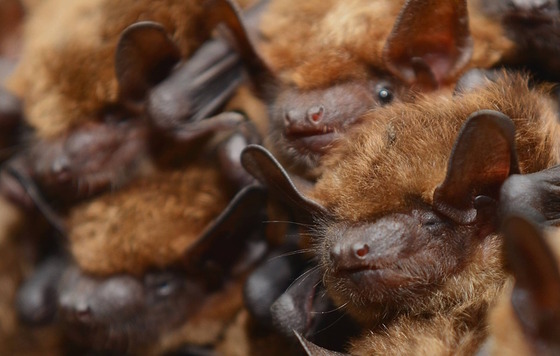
(321, 67)
(405, 229)
(86, 143)
(127, 312)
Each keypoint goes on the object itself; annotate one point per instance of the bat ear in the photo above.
(314, 350)
(11, 118)
(293, 310)
(144, 56)
(430, 42)
(262, 165)
(222, 244)
(536, 293)
(228, 12)
(483, 157)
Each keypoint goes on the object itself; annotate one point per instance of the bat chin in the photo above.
(316, 144)
(375, 278)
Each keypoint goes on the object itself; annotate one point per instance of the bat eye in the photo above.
(431, 220)
(385, 95)
(163, 285)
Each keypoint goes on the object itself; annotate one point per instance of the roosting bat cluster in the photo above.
(278, 177)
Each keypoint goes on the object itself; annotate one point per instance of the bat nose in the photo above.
(314, 115)
(345, 256)
(61, 167)
(82, 313)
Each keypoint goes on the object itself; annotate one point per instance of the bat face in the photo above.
(305, 124)
(311, 109)
(90, 159)
(123, 310)
(394, 259)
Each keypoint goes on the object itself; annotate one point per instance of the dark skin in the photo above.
(534, 26)
(380, 267)
(123, 313)
(10, 123)
(304, 124)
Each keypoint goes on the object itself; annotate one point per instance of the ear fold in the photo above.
(536, 293)
(313, 350)
(262, 165)
(228, 12)
(430, 42)
(144, 56)
(483, 157)
(226, 239)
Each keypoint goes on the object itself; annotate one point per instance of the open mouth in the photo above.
(317, 140)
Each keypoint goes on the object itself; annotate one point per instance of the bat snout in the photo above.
(351, 256)
(304, 117)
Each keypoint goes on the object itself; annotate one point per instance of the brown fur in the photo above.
(326, 41)
(399, 155)
(390, 148)
(149, 223)
(66, 75)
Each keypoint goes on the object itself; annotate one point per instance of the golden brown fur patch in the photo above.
(396, 156)
(149, 223)
(66, 75)
(313, 43)
(403, 150)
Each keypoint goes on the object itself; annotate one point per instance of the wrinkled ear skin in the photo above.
(483, 157)
(536, 195)
(233, 239)
(536, 293)
(262, 165)
(430, 42)
(270, 280)
(306, 309)
(144, 56)
(229, 13)
(313, 350)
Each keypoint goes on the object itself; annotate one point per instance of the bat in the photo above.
(377, 53)
(97, 127)
(129, 312)
(379, 210)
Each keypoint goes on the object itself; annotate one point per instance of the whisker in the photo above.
(286, 222)
(292, 253)
(329, 326)
(304, 275)
(331, 311)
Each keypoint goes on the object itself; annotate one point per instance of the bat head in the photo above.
(420, 53)
(394, 256)
(121, 311)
